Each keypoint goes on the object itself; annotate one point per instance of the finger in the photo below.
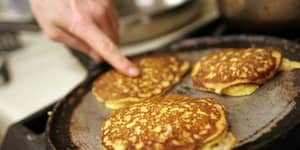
(103, 16)
(105, 23)
(109, 6)
(75, 42)
(106, 48)
(115, 29)
(115, 16)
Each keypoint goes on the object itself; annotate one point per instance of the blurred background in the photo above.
(36, 72)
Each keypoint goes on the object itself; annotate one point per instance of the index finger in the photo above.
(99, 42)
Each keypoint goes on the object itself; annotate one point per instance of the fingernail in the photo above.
(133, 71)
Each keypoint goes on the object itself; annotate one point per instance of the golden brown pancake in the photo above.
(158, 75)
(236, 72)
(169, 122)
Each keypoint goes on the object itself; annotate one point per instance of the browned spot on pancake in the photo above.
(165, 122)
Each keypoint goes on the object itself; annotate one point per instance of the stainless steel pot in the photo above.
(262, 15)
(142, 20)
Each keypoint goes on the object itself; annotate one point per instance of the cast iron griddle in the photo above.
(256, 120)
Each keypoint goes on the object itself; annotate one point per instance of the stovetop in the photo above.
(29, 134)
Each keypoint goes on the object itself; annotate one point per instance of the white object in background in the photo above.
(42, 72)
(15, 11)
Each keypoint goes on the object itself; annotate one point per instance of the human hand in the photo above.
(90, 26)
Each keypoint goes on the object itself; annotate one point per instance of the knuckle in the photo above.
(79, 19)
(78, 23)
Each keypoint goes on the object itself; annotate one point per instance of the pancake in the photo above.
(168, 122)
(236, 72)
(158, 74)
(288, 65)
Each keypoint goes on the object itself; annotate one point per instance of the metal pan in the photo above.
(256, 120)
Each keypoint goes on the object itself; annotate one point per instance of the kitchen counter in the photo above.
(41, 73)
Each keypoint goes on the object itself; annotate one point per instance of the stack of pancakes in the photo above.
(168, 122)
(238, 72)
(158, 75)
